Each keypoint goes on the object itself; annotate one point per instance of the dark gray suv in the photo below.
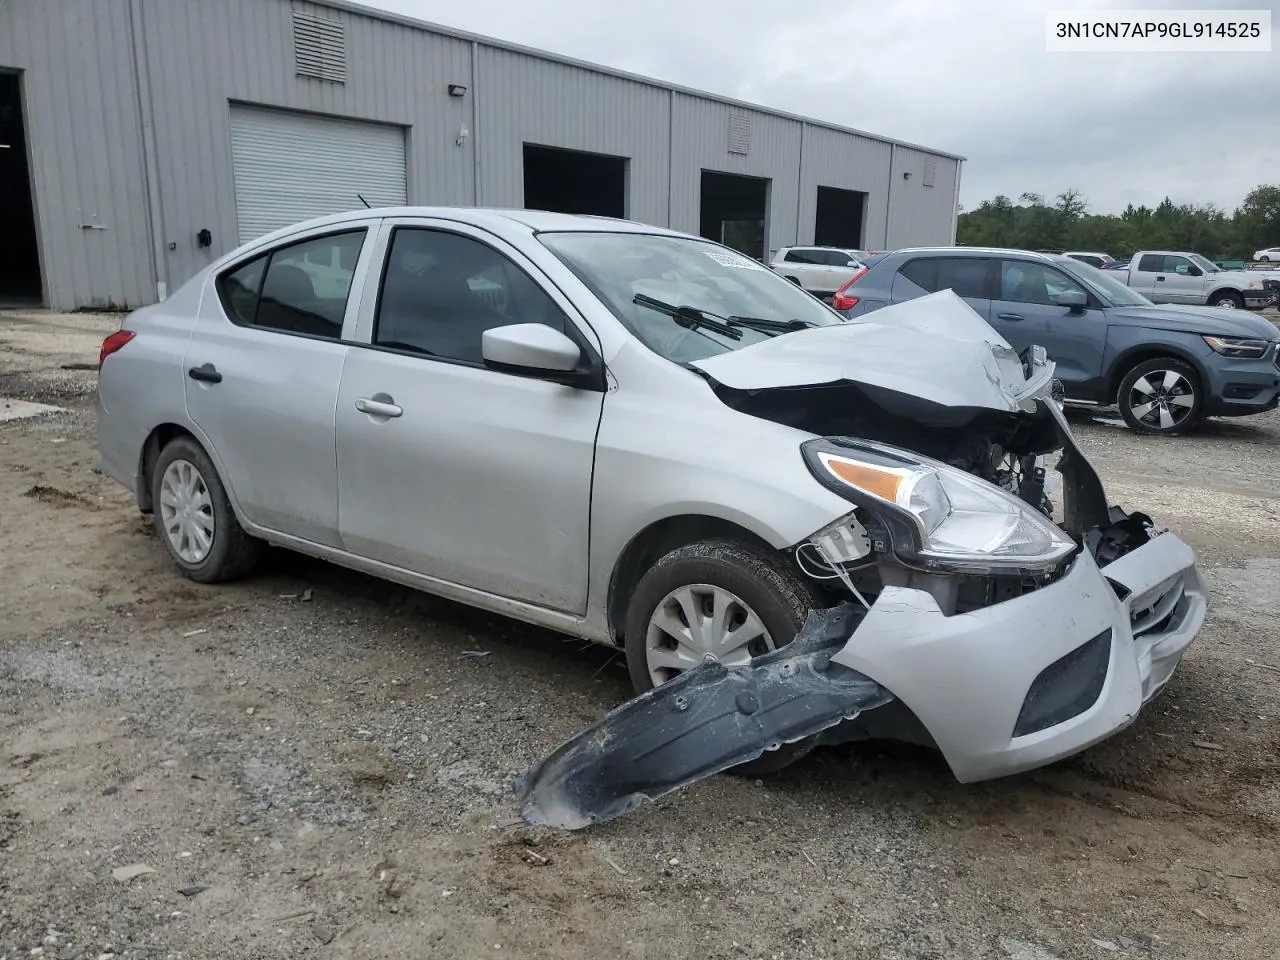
(1166, 367)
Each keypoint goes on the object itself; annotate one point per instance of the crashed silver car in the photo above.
(801, 530)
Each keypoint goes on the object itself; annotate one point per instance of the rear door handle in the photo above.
(205, 373)
(1009, 316)
(379, 405)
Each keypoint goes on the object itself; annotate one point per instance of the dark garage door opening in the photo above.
(19, 252)
(571, 181)
(733, 211)
(840, 218)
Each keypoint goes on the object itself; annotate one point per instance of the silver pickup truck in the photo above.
(1177, 277)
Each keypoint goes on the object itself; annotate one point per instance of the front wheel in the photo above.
(1161, 397)
(719, 599)
(1228, 300)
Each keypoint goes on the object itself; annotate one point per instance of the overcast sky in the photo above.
(971, 77)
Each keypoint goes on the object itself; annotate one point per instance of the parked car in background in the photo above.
(1164, 367)
(593, 425)
(820, 270)
(1188, 278)
(1093, 259)
(1268, 255)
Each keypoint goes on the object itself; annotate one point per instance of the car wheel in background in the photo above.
(1161, 396)
(715, 598)
(194, 519)
(795, 280)
(1228, 299)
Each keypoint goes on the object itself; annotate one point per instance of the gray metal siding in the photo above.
(835, 159)
(920, 215)
(524, 100)
(204, 54)
(92, 131)
(81, 117)
(700, 141)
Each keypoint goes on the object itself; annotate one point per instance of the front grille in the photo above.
(1159, 613)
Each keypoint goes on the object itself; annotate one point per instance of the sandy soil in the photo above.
(313, 766)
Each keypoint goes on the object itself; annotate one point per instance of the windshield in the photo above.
(655, 284)
(1104, 283)
(1208, 266)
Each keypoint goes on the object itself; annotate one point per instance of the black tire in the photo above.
(795, 280)
(766, 583)
(1225, 297)
(1129, 394)
(233, 553)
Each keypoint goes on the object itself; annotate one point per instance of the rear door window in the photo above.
(299, 288)
(1151, 263)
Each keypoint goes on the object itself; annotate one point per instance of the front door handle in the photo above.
(1009, 316)
(379, 405)
(1159, 279)
(205, 373)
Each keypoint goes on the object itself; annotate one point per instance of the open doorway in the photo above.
(734, 210)
(19, 250)
(573, 181)
(840, 217)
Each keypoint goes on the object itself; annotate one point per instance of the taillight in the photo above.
(842, 300)
(114, 343)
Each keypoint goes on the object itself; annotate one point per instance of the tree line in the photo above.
(1065, 224)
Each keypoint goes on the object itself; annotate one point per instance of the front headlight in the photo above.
(1243, 348)
(938, 517)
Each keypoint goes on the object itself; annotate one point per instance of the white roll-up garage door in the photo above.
(294, 166)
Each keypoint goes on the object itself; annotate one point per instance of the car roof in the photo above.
(983, 251)
(535, 220)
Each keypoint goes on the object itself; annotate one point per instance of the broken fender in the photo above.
(701, 723)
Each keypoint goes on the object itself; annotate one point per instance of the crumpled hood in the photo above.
(933, 347)
(1213, 321)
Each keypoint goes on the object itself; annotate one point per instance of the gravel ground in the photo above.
(313, 764)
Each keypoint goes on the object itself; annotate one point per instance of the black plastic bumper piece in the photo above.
(701, 723)
(1067, 687)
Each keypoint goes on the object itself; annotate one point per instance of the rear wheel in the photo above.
(194, 519)
(1161, 396)
(720, 599)
(1228, 299)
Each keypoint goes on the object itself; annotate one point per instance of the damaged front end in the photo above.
(959, 615)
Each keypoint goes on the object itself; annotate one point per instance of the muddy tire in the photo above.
(723, 582)
(194, 519)
(1161, 397)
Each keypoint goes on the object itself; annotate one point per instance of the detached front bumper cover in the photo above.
(704, 721)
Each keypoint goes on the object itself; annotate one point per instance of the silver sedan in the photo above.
(646, 439)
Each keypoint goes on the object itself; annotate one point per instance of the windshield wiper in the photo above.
(769, 326)
(690, 317)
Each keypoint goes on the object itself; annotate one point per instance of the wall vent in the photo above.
(740, 133)
(319, 47)
(930, 171)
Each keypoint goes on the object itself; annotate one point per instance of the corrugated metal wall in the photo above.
(700, 141)
(920, 215)
(203, 54)
(525, 100)
(92, 120)
(81, 112)
(835, 159)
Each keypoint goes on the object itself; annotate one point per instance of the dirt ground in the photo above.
(315, 763)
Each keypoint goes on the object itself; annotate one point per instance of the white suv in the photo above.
(820, 270)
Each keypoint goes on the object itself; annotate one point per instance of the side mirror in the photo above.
(529, 348)
(1194, 272)
(1073, 300)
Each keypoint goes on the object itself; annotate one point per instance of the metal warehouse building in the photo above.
(140, 139)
